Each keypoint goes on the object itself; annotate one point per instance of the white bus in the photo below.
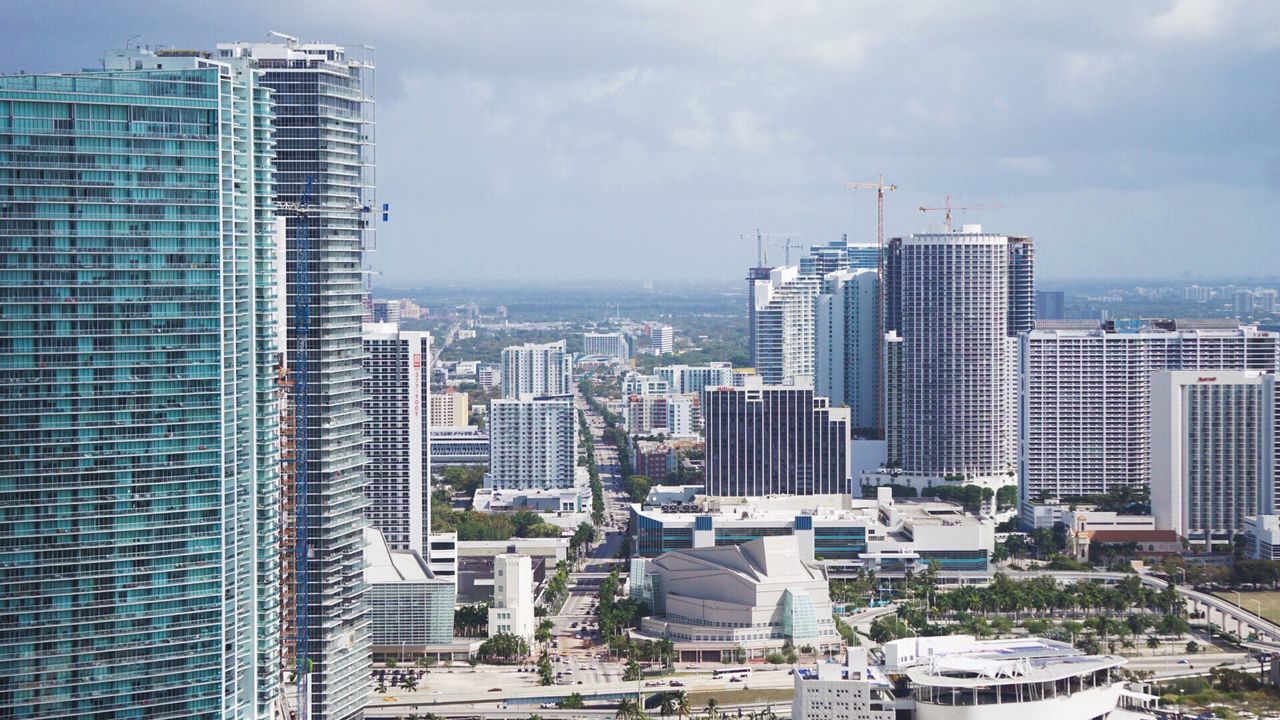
(732, 672)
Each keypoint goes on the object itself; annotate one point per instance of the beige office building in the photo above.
(450, 409)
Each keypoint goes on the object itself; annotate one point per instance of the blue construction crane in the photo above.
(301, 373)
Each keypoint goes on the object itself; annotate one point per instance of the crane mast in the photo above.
(881, 187)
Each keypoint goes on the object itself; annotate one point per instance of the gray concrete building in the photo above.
(958, 300)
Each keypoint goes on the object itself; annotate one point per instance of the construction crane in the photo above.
(881, 187)
(761, 257)
(787, 250)
(301, 375)
(947, 207)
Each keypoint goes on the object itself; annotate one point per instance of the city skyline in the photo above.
(587, 130)
(249, 474)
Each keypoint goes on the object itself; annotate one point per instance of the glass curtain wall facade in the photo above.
(138, 417)
(774, 440)
(324, 132)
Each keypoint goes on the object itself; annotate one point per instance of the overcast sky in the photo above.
(640, 140)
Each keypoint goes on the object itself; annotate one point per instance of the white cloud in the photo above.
(746, 131)
(1027, 165)
(848, 52)
(700, 134)
(1080, 80)
(1193, 20)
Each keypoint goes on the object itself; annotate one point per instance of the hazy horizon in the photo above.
(640, 140)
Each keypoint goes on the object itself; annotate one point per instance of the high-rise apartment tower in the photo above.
(325, 161)
(139, 336)
(958, 300)
(397, 391)
(537, 369)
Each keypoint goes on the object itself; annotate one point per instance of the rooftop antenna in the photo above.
(130, 39)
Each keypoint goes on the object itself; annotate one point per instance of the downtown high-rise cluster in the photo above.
(182, 484)
(954, 371)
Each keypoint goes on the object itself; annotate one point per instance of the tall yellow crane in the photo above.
(948, 207)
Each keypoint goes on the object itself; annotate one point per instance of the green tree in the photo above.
(543, 633)
(632, 671)
(410, 682)
(683, 707)
(503, 647)
(572, 702)
(1006, 497)
(713, 706)
(629, 709)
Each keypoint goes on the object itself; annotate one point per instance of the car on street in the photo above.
(676, 683)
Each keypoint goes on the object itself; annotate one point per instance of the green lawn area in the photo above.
(1267, 600)
(781, 696)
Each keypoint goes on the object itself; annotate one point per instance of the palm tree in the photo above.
(629, 709)
(712, 708)
(668, 705)
(683, 708)
(410, 683)
(1152, 643)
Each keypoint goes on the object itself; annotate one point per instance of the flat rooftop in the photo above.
(785, 508)
(982, 663)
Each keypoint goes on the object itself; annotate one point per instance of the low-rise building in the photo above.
(836, 691)
(467, 445)
(842, 534)
(957, 677)
(656, 460)
(749, 598)
(409, 606)
(540, 500)
(512, 609)
(442, 555)
(673, 495)
(1262, 537)
(1083, 525)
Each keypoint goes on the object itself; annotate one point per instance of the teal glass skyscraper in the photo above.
(139, 441)
(325, 162)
